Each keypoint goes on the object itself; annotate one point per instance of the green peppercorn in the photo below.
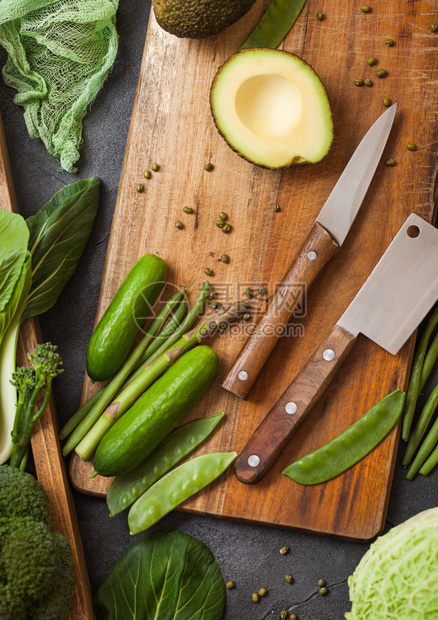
(155, 167)
(179, 224)
(386, 102)
(220, 223)
(229, 585)
(381, 73)
(323, 591)
(320, 16)
(208, 167)
(226, 228)
(284, 550)
(187, 209)
(255, 597)
(267, 298)
(139, 187)
(283, 614)
(292, 617)
(434, 27)
(245, 317)
(359, 82)
(262, 290)
(368, 82)
(214, 304)
(223, 216)
(276, 209)
(371, 61)
(321, 583)
(248, 292)
(389, 42)
(412, 147)
(289, 578)
(147, 174)
(366, 9)
(208, 272)
(390, 163)
(225, 258)
(263, 592)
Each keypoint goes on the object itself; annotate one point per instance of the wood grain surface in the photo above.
(172, 125)
(49, 463)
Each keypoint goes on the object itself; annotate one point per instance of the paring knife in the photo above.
(398, 294)
(325, 238)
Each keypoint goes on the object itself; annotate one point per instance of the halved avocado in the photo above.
(272, 109)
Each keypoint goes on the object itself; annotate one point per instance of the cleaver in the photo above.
(399, 293)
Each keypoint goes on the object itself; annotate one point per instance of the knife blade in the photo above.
(324, 239)
(398, 294)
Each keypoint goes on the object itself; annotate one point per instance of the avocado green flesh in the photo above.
(272, 109)
(196, 19)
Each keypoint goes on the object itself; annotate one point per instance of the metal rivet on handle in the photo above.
(291, 408)
(312, 255)
(243, 375)
(254, 460)
(329, 355)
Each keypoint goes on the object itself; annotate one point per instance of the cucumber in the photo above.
(116, 331)
(151, 418)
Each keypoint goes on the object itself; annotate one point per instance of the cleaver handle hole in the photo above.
(413, 232)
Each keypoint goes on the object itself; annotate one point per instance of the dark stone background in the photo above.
(248, 554)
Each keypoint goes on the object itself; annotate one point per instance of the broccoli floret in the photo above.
(22, 496)
(37, 577)
(28, 564)
(56, 604)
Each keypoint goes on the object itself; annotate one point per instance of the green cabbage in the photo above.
(397, 578)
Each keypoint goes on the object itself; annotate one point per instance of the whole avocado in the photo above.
(196, 19)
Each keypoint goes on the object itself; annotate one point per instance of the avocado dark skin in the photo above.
(196, 19)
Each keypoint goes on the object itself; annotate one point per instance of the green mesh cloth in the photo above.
(59, 55)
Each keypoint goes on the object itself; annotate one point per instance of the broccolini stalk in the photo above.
(30, 383)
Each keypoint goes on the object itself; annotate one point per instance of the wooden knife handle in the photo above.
(273, 434)
(318, 247)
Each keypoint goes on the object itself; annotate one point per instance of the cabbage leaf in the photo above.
(398, 576)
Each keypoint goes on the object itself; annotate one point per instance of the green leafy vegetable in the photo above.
(58, 235)
(30, 282)
(9, 324)
(13, 249)
(166, 576)
(398, 576)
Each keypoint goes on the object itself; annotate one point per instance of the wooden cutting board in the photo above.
(172, 125)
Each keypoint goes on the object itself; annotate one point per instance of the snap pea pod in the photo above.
(415, 379)
(176, 487)
(274, 24)
(421, 427)
(107, 394)
(428, 444)
(126, 489)
(351, 446)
